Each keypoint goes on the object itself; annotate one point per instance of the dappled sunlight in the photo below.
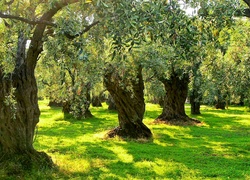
(122, 154)
(80, 149)
(166, 168)
(217, 147)
(67, 165)
(100, 135)
(243, 120)
(164, 144)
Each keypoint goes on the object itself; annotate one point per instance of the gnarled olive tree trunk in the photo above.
(174, 102)
(19, 112)
(129, 103)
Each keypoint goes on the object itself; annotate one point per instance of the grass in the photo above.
(220, 149)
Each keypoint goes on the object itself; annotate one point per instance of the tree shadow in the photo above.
(219, 149)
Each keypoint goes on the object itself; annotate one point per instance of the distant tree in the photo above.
(171, 58)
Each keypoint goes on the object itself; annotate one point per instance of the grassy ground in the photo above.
(220, 149)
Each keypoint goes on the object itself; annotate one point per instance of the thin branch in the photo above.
(46, 83)
(87, 28)
(247, 2)
(246, 12)
(7, 16)
(8, 3)
(240, 13)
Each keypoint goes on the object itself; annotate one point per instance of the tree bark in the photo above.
(129, 103)
(174, 102)
(19, 112)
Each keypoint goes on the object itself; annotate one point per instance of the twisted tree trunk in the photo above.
(130, 105)
(19, 112)
(174, 102)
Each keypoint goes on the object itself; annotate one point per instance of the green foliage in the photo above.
(226, 68)
(11, 102)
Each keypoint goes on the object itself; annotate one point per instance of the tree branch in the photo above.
(8, 3)
(36, 41)
(7, 16)
(87, 28)
(245, 12)
(247, 2)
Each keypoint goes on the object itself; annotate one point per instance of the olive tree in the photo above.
(19, 111)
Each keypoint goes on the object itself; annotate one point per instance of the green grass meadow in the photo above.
(219, 149)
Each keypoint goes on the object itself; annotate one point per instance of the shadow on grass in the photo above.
(220, 149)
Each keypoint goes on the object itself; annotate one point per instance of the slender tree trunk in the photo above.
(130, 106)
(195, 95)
(195, 103)
(87, 113)
(220, 101)
(174, 102)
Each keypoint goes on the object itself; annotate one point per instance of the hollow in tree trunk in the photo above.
(174, 102)
(129, 103)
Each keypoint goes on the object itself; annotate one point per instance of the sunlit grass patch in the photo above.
(217, 150)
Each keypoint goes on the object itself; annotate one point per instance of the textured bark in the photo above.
(130, 105)
(19, 112)
(18, 120)
(174, 102)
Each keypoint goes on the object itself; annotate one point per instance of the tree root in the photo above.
(133, 133)
(180, 121)
(19, 163)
